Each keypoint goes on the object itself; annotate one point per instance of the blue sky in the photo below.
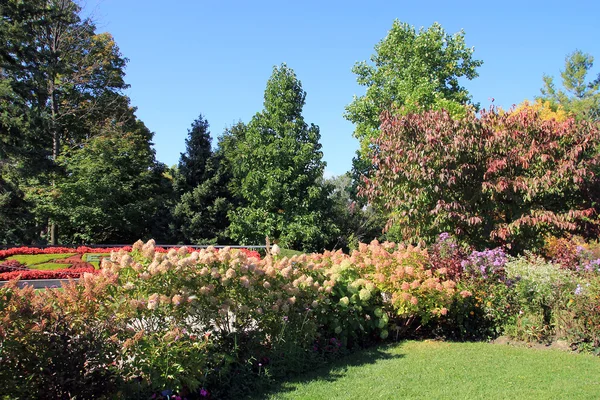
(188, 57)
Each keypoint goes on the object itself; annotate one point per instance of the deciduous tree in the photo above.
(279, 167)
(579, 95)
(414, 70)
(501, 177)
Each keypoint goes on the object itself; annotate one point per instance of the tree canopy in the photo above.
(578, 94)
(279, 167)
(417, 70)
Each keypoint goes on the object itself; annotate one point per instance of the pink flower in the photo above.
(177, 300)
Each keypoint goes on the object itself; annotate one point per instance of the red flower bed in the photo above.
(84, 249)
(73, 272)
(58, 250)
(39, 274)
(251, 253)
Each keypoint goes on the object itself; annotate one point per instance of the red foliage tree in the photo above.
(493, 178)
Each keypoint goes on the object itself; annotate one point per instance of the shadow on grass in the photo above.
(331, 371)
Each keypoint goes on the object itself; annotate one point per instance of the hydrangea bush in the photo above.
(200, 323)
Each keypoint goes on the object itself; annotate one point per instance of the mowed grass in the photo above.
(441, 370)
(94, 257)
(49, 266)
(35, 259)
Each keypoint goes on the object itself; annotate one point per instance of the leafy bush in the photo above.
(492, 178)
(447, 253)
(58, 344)
(540, 288)
(225, 321)
(578, 321)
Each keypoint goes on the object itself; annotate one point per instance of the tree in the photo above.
(193, 163)
(17, 161)
(70, 77)
(278, 167)
(202, 212)
(501, 178)
(113, 190)
(356, 223)
(412, 70)
(578, 96)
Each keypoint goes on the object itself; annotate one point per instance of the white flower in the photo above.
(275, 250)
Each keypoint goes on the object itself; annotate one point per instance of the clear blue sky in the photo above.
(188, 57)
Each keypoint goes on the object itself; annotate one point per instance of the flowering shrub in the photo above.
(414, 291)
(238, 309)
(58, 344)
(487, 264)
(540, 289)
(222, 321)
(563, 251)
(579, 320)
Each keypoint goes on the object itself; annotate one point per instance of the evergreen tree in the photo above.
(202, 212)
(193, 163)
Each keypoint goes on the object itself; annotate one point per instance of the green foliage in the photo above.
(193, 163)
(34, 259)
(113, 189)
(540, 288)
(279, 169)
(414, 70)
(356, 223)
(578, 321)
(491, 179)
(62, 84)
(578, 95)
(201, 214)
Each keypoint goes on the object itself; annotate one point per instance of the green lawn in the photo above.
(289, 253)
(35, 259)
(439, 370)
(94, 257)
(49, 266)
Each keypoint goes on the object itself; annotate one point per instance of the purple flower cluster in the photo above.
(447, 242)
(485, 264)
(590, 266)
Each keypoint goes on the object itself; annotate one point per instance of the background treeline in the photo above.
(77, 165)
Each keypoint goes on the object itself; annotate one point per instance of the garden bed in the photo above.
(226, 323)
